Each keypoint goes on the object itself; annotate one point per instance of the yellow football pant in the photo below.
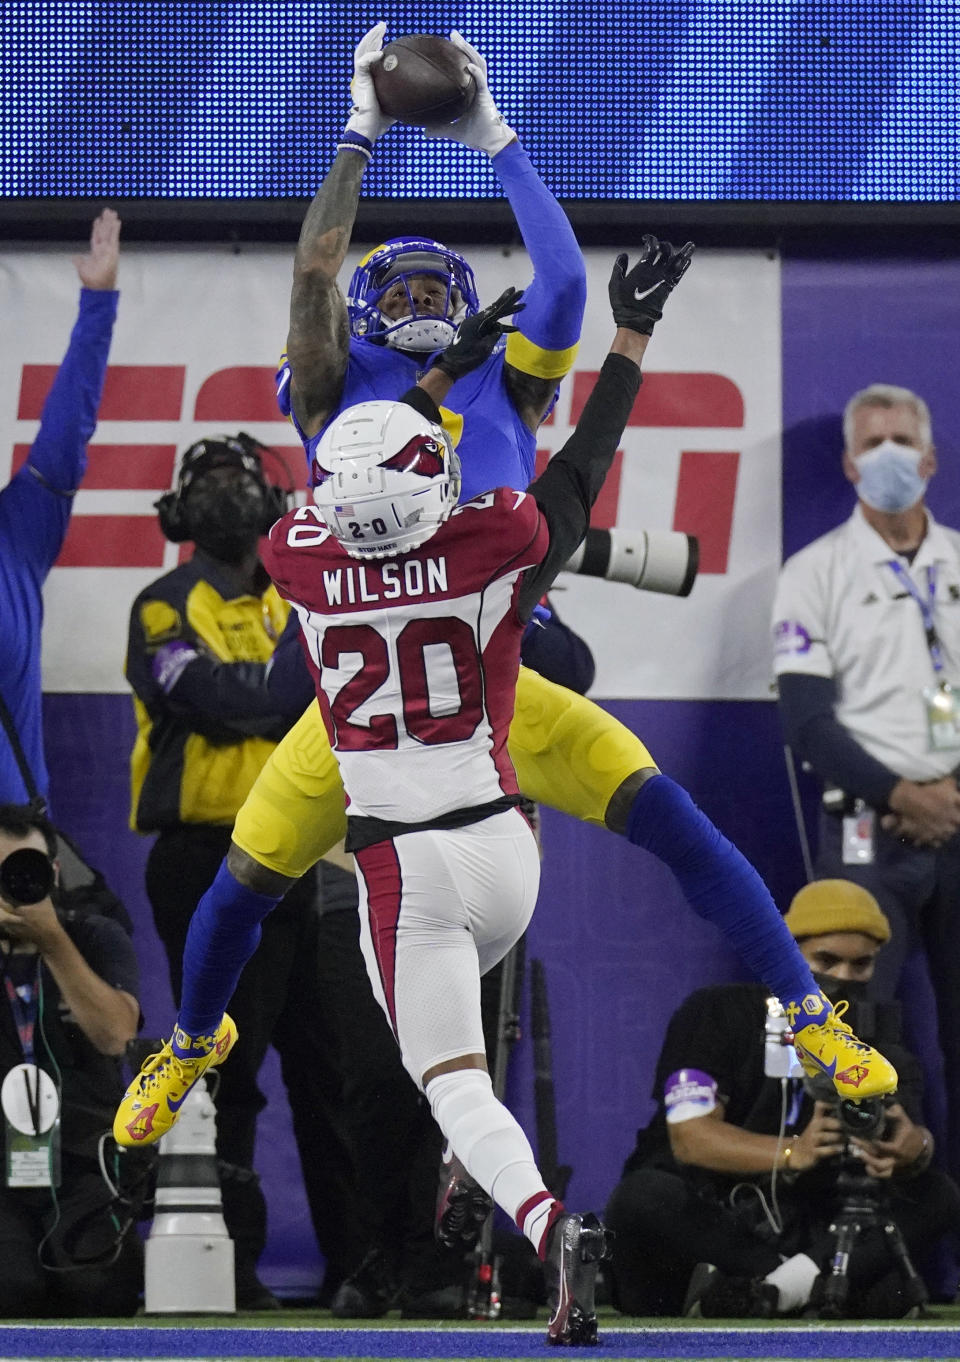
(568, 753)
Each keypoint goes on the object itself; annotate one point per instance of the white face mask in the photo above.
(889, 480)
(422, 335)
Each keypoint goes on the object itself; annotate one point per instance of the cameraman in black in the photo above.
(218, 677)
(69, 1007)
(739, 1168)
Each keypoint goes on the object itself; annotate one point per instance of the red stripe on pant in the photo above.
(380, 868)
(531, 1204)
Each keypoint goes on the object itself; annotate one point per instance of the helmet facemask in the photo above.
(420, 331)
(392, 267)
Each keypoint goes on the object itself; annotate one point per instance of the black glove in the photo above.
(477, 335)
(637, 296)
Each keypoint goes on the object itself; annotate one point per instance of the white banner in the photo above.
(194, 349)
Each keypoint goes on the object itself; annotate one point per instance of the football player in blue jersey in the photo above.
(406, 302)
(407, 297)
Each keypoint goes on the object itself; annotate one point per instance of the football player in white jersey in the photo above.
(413, 610)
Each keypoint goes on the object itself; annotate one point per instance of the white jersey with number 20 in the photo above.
(416, 657)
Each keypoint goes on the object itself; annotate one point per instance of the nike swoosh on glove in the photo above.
(637, 295)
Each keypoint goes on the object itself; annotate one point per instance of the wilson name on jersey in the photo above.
(415, 657)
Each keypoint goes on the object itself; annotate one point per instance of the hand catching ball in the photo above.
(423, 80)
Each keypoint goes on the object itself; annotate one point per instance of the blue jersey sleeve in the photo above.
(35, 507)
(553, 304)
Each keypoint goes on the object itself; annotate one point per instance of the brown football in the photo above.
(423, 79)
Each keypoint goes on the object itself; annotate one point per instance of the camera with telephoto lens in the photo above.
(651, 560)
(879, 1023)
(862, 1207)
(26, 876)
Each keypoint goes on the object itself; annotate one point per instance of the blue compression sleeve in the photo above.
(720, 884)
(223, 934)
(554, 302)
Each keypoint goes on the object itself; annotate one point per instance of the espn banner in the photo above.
(194, 353)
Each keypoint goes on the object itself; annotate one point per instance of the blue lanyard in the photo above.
(24, 998)
(926, 607)
(793, 1115)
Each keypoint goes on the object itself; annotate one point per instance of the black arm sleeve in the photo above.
(218, 700)
(818, 738)
(569, 485)
(423, 403)
(223, 699)
(288, 677)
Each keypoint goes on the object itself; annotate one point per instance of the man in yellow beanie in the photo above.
(733, 1112)
(826, 907)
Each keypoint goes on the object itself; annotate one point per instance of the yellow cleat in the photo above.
(830, 1048)
(153, 1100)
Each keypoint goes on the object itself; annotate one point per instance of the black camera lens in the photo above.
(26, 876)
(862, 1119)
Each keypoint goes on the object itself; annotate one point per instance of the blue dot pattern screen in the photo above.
(779, 100)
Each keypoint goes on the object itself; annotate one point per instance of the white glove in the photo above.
(366, 117)
(482, 126)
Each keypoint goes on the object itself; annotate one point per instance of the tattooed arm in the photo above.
(319, 337)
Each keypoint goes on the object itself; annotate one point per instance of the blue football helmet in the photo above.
(401, 258)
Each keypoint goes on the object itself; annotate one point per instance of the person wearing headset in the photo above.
(216, 684)
(69, 1007)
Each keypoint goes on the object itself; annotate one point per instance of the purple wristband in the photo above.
(355, 141)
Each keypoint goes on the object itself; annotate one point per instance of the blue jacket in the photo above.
(34, 512)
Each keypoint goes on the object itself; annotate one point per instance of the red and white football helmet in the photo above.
(385, 478)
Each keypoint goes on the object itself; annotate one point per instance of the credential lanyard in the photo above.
(796, 1100)
(926, 607)
(23, 1004)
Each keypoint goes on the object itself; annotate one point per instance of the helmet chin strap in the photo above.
(422, 335)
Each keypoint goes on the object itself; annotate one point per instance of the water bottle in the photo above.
(779, 1056)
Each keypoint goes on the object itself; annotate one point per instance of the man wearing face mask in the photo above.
(738, 1141)
(867, 638)
(217, 682)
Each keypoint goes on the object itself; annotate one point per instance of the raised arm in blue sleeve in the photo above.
(36, 505)
(554, 302)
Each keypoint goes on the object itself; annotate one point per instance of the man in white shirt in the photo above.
(867, 638)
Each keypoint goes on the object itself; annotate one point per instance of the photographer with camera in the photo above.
(745, 1169)
(70, 990)
(218, 678)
